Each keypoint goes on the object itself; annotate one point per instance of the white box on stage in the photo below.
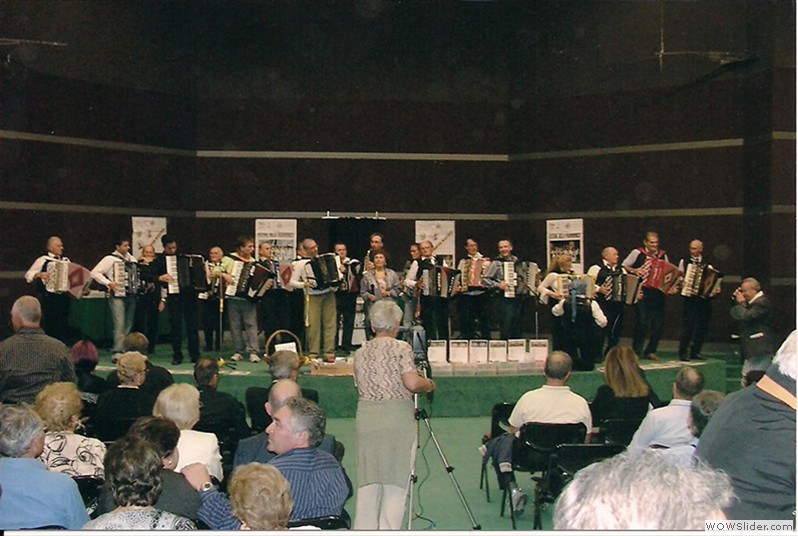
(478, 351)
(285, 346)
(441, 369)
(464, 369)
(458, 351)
(538, 351)
(507, 369)
(486, 369)
(436, 351)
(516, 350)
(497, 351)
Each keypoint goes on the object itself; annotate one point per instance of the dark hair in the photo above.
(161, 432)
(136, 342)
(133, 472)
(119, 240)
(702, 407)
(204, 371)
(243, 240)
(84, 356)
(167, 239)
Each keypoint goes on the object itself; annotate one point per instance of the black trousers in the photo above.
(345, 303)
(296, 314)
(611, 333)
(473, 312)
(435, 317)
(55, 315)
(649, 315)
(510, 317)
(183, 309)
(275, 314)
(146, 320)
(210, 323)
(695, 319)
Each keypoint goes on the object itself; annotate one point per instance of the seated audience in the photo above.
(180, 403)
(625, 393)
(553, 403)
(260, 497)
(125, 403)
(65, 451)
(85, 358)
(177, 496)
(318, 485)
(642, 491)
(133, 473)
(32, 496)
(254, 449)
(702, 407)
(217, 407)
(29, 359)
(752, 439)
(157, 379)
(668, 426)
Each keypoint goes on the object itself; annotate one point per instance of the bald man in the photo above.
(697, 309)
(55, 305)
(30, 360)
(603, 274)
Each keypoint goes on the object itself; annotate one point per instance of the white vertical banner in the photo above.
(147, 232)
(441, 234)
(566, 237)
(281, 234)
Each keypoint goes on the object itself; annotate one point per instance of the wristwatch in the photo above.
(206, 486)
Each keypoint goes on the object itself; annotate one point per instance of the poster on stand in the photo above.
(147, 231)
(566, 237)
(441, 234)
(281, 234)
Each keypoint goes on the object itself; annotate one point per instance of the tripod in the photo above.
(421, 415)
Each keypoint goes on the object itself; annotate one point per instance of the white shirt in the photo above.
(301, 272)
(38, 264)
(200, 447)
(104, 271)
(551, 404)
(666, 426)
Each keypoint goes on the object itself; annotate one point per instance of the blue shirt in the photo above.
(35, 497)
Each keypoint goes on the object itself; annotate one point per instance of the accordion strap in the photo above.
(772, 388)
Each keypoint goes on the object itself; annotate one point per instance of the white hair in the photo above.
(19, 427)
(642, 491)
(385, 316)
(786, 357)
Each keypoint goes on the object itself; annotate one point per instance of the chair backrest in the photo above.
(570, 458)
(500, 415)
(227, 436)
(110, 429)
(537, 441)
(89, 488)
(324, 523)
(619, 431)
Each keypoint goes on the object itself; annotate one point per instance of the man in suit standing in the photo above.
(754, 318)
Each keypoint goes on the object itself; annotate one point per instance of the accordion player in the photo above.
(126, 275)
(188, 273)
(700, 280)
(520, 277)
(251, 280)
(324, 271)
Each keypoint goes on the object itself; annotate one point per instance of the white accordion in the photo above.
(57, 277)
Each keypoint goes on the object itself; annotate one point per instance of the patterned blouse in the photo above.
(73, 454)
(144, 519)
(379, 365)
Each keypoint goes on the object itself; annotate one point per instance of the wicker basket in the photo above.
(303, 360)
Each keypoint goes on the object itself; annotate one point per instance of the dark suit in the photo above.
(220, 407)
(157, 379)
(755, 327)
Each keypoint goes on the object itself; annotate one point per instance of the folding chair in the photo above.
(499, 418)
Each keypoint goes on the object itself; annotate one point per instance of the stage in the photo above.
(456, 396)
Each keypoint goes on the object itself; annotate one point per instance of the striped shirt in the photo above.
(30, 361)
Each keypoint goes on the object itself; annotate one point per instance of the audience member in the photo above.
(180, 403)
(260, 497)
(553, 403)
(133, 473)
(642, 491)
(668, 426)
(32, 496)
(177, 496)
(318, 485)
(127, 402)
(29, 359)
(84, 357)
(752, 438)
(65, 451)
(157, 379)
(625, 393)
(702, 407)
(217, 407)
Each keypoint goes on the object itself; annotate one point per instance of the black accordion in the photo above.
(324, 270)
(188, 273)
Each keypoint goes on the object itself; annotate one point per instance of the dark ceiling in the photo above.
(374, 49)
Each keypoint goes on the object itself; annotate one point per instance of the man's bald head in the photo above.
(558, 367)
(281, 391)
(26, 313)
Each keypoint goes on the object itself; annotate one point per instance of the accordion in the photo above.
(563, 284)
(472, 272)
(700, 280)
(126, 274)
(188, 273)
(521, 278)
(623, 287)
(324, 270)
(57, 277)
(438, 281)
(661, 275)
(348, 282)
(251, 280)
